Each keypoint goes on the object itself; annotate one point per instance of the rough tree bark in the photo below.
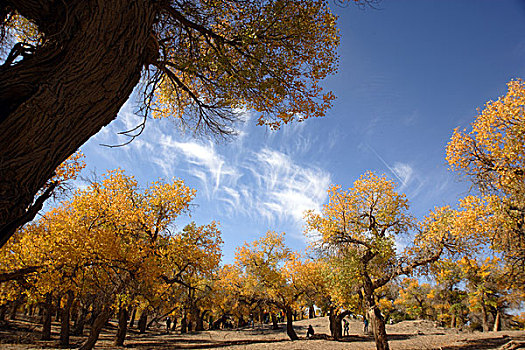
(14, 307)
(274, 321)
(184, 325)
(123, 315)
(497, 322)
(65, 314)
(3, 310)
(311, 310)
(199, 322)
(58, 308)
(377, 322)
(133, 314)
(65, 92)
(484, 316)
(143, 321)
(47, 317)
(99, 322)
(289, 324)
(335, 319)
(78, 329)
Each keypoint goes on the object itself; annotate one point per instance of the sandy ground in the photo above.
(23, 335)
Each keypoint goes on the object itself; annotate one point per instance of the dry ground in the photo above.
(24, 335)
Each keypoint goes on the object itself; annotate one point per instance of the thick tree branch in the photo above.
(18, 274)
(8, 230)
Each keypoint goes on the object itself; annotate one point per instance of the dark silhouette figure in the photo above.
(168, 324)
(365, 330)
(346, 326)
(310, 331)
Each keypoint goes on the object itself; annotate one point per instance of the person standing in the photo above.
(168, 324)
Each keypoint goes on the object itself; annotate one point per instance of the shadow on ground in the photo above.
(203, 344)
(484, 344)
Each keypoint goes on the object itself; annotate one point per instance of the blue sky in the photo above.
(409, 73)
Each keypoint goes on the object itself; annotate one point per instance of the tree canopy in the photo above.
(492, 156)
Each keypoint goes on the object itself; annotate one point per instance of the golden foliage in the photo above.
(265, 56)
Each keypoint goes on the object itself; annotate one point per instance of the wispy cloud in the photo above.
(288, 189)
(262, 184)
(403, 172)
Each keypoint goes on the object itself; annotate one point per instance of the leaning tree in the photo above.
(69, 66)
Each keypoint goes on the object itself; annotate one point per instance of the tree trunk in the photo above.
(289, 324)
(195, 316)
(453, 321)
(78, 329)
(378, 328)
(335, 318)
(335, 326)
(133, 314)
(47, 317)
(75, 313)
(311, 311)
(53, 101)
(497, 322)
(274, 321)
(99, 322)
(377, 321)
(184, 325)
(199, 323)
(143, 321)
(65, 313)
(58, 308)
(485, 317)
(14, 308)
(123, 315)
(3, 310)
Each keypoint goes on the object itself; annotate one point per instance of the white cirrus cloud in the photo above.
(403, 172)
(287, 189)
(264, 185)
(202, 161)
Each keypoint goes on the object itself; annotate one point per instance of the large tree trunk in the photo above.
(378, 328)
(47, 317)
(311, 310)
(133, 314)
(123, 315)
(289, 324)
(377, 322)
(14, 308)
(3, 310)
(99, 322)
(484, 317)
(56, 99)
(65, 313)
(274, 321)
(497, 322)
(184, 325)
(58, 308)
(78, 329)
(199, 322)
(143, 321)
(335, 327)
(336, 318)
